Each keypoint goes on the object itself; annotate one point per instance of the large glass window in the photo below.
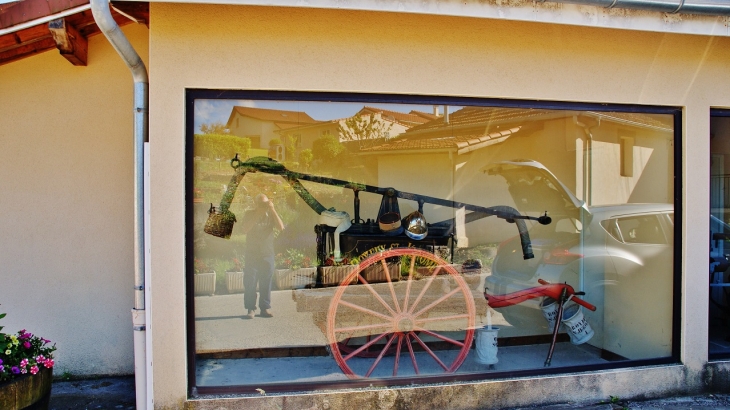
(344, 240)
(719, 326)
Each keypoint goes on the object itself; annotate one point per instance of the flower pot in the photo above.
(295, 278)
(234, 282)
(204, 283)
(27, 392)
(375, 273)
(334, 275)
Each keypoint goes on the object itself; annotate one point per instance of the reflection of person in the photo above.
(258, 225)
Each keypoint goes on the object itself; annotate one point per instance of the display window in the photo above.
(344, 240)
(719, 272)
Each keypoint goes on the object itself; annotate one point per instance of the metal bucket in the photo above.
(486, 345)
(579, 329)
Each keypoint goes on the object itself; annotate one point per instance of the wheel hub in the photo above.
(405, 324)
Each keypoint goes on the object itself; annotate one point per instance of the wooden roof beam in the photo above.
(71, 44)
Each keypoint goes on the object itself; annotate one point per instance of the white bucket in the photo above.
(579, 329)
(486, 343)
(549, 307)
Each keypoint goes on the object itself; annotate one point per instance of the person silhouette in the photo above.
(258, 225)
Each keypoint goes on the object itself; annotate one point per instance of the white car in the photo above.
(590, 248)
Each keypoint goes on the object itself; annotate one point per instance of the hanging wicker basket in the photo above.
(219, 223)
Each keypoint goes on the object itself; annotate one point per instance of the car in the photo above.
(612, 253)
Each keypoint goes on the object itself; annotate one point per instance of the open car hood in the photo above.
(535, 189)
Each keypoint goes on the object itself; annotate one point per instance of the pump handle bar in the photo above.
(552, 290)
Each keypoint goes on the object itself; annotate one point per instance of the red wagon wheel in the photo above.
(425, 316)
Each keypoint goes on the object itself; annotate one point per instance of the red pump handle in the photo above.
(548, 289)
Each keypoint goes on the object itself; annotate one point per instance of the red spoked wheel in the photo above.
(421, 322)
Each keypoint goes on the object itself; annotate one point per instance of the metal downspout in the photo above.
(106, 23)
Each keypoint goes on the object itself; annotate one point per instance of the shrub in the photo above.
(220, 146)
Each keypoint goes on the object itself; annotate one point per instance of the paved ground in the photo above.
(102, 393)
(118, 393)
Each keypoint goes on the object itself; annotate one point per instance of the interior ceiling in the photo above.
(69, 39)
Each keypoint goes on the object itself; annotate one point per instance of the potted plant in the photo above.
(204, 278)
(294, 270)
(375, 273)
(234, 276)
(334, 272)
(26, 370)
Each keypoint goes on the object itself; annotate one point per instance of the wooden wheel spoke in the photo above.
(441, 318)
(353, 329)
(429, 351)
(437, 301)
(397, 354)
(425, 288)
(442, 337)
(410, 351)
(390, 284)
(365, 346)
(365, 310)
(408, 283)
(382, 353)
(377, 296)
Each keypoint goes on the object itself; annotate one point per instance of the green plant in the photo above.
(274, 141)
(23, 353)
(326, 149)
(305, 158)
(293, 259)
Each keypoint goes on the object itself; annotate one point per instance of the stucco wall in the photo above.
(190, 47)
(66, 204)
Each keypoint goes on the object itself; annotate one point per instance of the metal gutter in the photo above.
(708, 7)
(43, 20)
(107, 25)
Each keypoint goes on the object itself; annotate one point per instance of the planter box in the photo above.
(295, 278)
(334, 275)
(204, 283)
(27, 392)
(375, 273)
(234, 282)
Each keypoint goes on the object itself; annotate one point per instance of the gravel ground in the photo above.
(118, 393)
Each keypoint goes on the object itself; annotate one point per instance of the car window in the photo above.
(641, 229)
(610, 226)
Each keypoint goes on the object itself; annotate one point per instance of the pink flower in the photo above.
(40, 359)
(26, 345)
(23, 362)
(48, 363)
(23, 370)
(34, 370)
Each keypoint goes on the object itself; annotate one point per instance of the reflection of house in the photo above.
(585, 152)
(261, 124)
(394, 123)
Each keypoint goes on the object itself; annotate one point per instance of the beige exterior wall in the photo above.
(66, 204)
(190, 47)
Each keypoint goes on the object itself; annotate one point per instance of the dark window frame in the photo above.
(373, 98)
